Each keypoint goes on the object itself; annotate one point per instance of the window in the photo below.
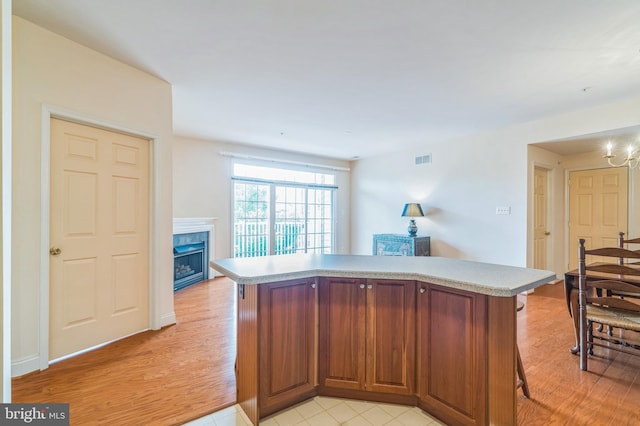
(282, 211)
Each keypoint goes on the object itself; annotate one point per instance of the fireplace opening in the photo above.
(190, 255)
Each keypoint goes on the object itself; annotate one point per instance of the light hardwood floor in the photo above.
(165, 377)
(185, 371)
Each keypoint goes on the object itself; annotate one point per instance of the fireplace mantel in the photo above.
(186, 225)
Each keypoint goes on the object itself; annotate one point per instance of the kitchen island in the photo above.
(433, 332)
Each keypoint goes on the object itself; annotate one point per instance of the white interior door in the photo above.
(598, 202)
(99, 232)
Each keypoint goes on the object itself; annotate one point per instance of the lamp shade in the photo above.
(412, 210)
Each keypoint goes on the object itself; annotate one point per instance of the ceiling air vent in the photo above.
(423, 159)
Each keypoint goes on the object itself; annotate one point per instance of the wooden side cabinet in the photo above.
(367, 335)
(287, 343)
(401, 245)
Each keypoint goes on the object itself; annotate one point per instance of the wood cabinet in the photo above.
(452, 353)
(449, 351)
(367, 335)
(391, 328)
(341, 342)
(287, 343)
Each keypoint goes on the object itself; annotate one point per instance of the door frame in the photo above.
(49, 112)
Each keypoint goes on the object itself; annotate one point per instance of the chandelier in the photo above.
(632, 160)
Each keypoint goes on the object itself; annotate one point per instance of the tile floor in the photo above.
(325, 411)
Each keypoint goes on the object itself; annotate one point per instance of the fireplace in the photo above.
(190, 259)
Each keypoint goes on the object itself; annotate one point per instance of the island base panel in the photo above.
(501, 368)
(247, 355)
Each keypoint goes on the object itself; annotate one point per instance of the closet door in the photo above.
(99, 234)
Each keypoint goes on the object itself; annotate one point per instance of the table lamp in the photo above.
(412, 210)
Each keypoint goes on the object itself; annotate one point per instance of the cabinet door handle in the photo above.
(361, 285)
(313, 285)
(422, 290)
(370, 286)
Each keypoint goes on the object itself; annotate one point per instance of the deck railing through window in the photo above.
(251, 239)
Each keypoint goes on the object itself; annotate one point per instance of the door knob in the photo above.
(547, 233)
(54, 251)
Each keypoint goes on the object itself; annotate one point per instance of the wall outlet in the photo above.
(503, 210)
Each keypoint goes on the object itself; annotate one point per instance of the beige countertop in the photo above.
(478, 277)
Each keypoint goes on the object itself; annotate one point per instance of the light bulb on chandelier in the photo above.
(632, 160)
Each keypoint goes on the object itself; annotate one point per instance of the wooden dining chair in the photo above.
(630, 244)
(599, 287)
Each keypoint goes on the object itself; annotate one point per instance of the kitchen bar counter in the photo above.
(478, 277)
(431, 332)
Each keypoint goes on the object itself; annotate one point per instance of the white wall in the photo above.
(54, 71)
(202, 185)
(468, 178)
(5, 196)
(459, 191)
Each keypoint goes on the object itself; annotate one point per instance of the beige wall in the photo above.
(56, 72)
(202, 185)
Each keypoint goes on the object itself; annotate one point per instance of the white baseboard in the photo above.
(168, 319)
(25, 365)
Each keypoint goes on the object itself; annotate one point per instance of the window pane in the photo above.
(290, 220)
(302, 219)
(251, 220)
(320, 221)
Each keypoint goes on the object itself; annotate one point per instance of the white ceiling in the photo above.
(353, 78)
(619, 138)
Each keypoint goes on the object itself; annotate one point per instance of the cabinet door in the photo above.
(287, 312)
(391, 334)
(451, 353)
(342, 333)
